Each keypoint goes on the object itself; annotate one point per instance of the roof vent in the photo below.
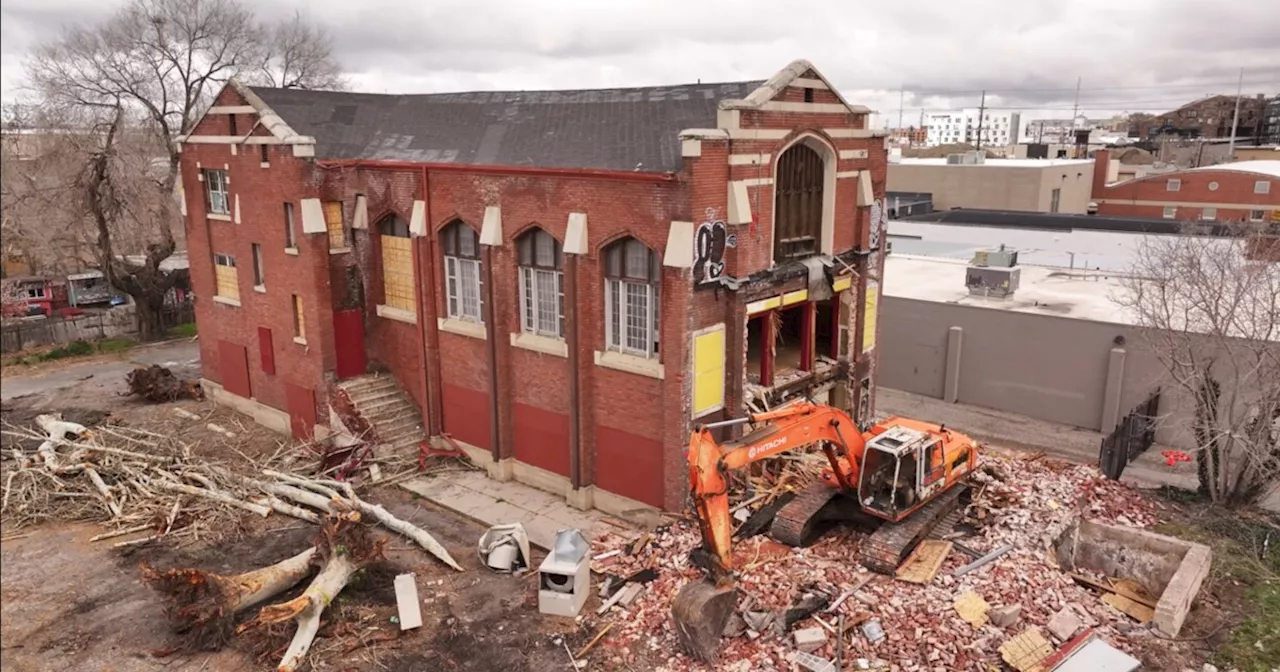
(993, 273)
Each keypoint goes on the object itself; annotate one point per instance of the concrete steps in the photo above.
(381, 402)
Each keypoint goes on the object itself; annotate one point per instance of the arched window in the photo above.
(797, 213)
(461, 248)
(633, 277)
(397, 264)
(541, 284)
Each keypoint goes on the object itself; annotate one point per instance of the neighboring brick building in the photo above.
(1226, 192)
(562, 282)
(1209, 117)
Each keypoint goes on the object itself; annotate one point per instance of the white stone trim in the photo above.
(749, 159)
(232, 109)
(226, 300)
(808, 83)
(462, 327)
(784, 78)
(575, 235)
(679, 252)
(418, 219)
(235, 211)
(853, 154)
(397, 314)
(1185, 204)
(246, 140)
(361, 218)
(261, 289)
(858, 133)
(865, 195)
(756, 181)
(233, 150)
(690, 149)
(847, 173)
(728, 118)
(264, 164)
(339, 250)
(813, 108)
(300, 340)
(641, 366)
(291, 251)
(312, 216)
(538, 343)
(491, 226)
(218, 216)
(305, 151)
(739, 207)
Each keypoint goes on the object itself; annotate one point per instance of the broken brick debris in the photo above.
(920, 628)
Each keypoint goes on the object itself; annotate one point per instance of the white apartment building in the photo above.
(999, 128)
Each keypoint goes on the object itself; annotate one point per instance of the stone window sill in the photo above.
(300, 340)
(265, 164)
(640, 366)
(454, 325)
(397, 314)
(538, 343)
(291, 250)
(226, 300)
(219, 216)
(261, 289)
(339, 250)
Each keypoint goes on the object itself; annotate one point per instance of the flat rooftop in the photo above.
(1060, 292)
(999, 163)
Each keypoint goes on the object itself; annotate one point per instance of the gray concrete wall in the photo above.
(1058, 369)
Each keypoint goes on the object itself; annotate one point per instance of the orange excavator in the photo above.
(896, 479)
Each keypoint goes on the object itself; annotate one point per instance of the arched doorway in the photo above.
(798, 192)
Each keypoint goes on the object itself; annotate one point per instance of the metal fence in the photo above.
(1132, 436)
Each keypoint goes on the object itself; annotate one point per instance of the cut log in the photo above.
(346, 547)
(204, 604)
(215, 495)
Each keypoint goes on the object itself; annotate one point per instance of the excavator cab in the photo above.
(895, 470)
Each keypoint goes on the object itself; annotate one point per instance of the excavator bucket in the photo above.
(701, 610)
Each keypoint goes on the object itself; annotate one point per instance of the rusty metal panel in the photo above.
(348, 337)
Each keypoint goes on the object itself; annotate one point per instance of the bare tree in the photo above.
(299, 58)
(142, 78)
(1212, 318)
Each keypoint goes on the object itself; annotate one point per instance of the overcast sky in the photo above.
(1129, 54)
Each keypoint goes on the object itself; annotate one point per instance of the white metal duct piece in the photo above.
(505, 548)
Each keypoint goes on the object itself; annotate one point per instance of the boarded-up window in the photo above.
(708, 370)
(798, 211)
(333, 224)
(299, 320)
(227, 283)
(397, 264)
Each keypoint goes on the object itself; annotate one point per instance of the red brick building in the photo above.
(1226, 192)
(561, 282)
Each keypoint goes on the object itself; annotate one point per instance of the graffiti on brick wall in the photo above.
(710, 241)
(879, 232)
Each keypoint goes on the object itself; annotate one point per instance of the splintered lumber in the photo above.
(983, 560)
(346, 548)
(924, 562)
(203, 604)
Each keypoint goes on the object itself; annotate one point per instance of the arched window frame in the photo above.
(633, 282)
(398, 290)
(541, 270)
(464, 284)
(812, 202)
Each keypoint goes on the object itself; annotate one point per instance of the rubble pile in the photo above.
(1016, 502)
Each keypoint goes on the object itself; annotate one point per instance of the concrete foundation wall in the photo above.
(1072, 371)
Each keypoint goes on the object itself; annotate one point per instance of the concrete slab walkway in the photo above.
(490, 502)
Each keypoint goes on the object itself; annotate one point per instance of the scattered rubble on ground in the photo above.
(1018, 505)
(157, 384)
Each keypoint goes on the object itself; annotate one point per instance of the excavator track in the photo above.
(806, 517)
(885, 549)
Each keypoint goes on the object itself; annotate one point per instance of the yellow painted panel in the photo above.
(842, 283)
(763, 305)
(869, 321)
(708, 371)
(795, 297)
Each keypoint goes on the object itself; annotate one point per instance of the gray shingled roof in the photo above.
(618, 129)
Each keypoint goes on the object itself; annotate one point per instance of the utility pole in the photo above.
(982, 110)
(1075, 109)
(1235, 119)
(902, 96)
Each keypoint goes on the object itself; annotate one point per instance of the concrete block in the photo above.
(410, 610)
(810, 639)
(1003, 617)
(582, 499)
(1064, 624)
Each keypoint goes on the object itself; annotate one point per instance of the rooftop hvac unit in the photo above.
(1001, 258)
(955, 159)
(975, 158)
(993, 273)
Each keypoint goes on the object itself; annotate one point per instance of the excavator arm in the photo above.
(779, 431)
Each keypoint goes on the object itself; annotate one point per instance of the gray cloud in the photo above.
(1132, 55)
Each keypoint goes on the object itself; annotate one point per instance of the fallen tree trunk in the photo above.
(157, 384)
(346, 547)
(203, 604)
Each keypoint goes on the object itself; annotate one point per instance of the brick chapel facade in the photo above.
(563, 283)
